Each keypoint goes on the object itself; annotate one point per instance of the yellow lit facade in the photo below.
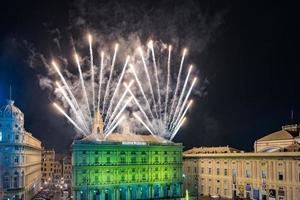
(271, 172)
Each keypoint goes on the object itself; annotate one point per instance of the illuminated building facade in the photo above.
(20, 156)
(57, 173)
(126, 166)
(67, 171)
(48, 162)
(271, 172)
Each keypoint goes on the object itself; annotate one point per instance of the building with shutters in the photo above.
(271, 171)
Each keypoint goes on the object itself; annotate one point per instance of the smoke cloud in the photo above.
(131, 24)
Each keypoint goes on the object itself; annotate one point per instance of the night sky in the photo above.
(249, 58)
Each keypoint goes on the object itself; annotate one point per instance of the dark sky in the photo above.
(251, 62)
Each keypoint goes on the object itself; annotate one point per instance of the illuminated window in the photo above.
(0, 136)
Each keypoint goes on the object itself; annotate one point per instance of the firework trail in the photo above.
(163, 109)
(110, 77)
(170, 118)
(100, 81)
(92, 70)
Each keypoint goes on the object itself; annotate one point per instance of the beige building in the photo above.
(20, 156)
(271, 172)
(57, 173)
(48, 161)
(67, 171)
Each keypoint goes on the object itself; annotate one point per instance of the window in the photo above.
(107, 160)
(263, 174)
(16, 159)
(209, 170)
(225, 172)
(233, 172)
(17, 137)
(218, 172)
(133, 159)
(6, 183)
(248, 173)
(280, 176)
(195, 169)
(123, 160)
(202, 170)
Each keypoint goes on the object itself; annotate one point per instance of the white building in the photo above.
(20, 156)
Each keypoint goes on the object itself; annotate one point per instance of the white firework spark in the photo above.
(150, 90)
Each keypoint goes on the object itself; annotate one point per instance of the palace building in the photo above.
(125, 166)
(272, 171)
(20, 156)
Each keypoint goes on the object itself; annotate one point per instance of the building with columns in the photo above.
(48, 166)
(20, 156)
(125, 166)
(272, 171)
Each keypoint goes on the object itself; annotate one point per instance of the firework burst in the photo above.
(141, 88)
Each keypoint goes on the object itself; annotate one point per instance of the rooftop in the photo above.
(116, 137)
(288, 132)
(212, 150)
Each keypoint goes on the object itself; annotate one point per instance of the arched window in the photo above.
(16, 179)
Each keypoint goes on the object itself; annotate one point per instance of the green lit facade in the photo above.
(111, 170)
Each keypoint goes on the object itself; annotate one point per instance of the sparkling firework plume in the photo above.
(143, 88)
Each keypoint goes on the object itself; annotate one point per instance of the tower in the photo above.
(98, 126)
